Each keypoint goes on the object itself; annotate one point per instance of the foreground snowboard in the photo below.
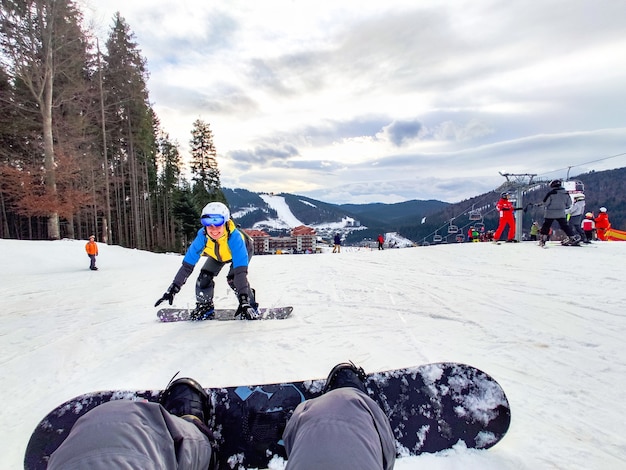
(430, 408)
(182, 314)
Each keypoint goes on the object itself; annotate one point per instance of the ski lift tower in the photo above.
(516, 184)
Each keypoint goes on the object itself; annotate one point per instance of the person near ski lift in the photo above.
(222, 243)
(588, 226)
(556, 203)
(534, 231)
(507, 218)
(381, 242)
(575, 212)
(602, 224)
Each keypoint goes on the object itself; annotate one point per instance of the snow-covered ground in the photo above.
(549, 325)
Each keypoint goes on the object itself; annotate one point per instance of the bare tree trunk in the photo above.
(106, 234)
(48, 144)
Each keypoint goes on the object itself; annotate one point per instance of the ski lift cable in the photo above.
(585, 163)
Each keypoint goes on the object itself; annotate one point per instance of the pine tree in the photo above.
(169, 162)
(205, 174)
(131, 136)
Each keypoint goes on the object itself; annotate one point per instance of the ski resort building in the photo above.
(301, 240)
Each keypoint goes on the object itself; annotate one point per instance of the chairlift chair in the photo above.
(475, 215)
(437, 238)
(460, 238)
(453, 229)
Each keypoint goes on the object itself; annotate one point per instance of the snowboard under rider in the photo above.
(222, 243)
(175, 432)
(556, 203)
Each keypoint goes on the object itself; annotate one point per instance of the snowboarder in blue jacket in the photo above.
(222, 243)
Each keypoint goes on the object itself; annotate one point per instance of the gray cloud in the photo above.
(264, 155)
(400, 132)
(392, 100)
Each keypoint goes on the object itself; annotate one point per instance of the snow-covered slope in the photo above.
(286, 219)
(549, 325)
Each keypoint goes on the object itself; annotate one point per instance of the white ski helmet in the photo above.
(214, 213)
(603, 209)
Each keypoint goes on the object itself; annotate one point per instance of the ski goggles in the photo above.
(215, 220)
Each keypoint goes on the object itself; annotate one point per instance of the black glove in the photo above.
(169, 294)
(246, 310)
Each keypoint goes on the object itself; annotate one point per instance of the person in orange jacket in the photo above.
(602, 224)
(92, 251)
(507, 217)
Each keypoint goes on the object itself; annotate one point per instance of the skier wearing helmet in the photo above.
(222, 243)
(588, 226)
(556, 203)
(507, 217)
(575, 212)
(602, 224)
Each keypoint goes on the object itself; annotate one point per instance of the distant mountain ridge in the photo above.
(416, 219)
(250, 210)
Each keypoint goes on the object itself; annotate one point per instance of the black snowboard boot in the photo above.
(187, 399)
(203, 311)
(345, 374)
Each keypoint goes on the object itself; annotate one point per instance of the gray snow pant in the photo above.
(237, 278)
(124, 434)
(341, 429)
(574, 222)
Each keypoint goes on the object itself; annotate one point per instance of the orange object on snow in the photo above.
(91, 247)
(615, 235)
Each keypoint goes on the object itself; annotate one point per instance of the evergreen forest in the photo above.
(82, 151)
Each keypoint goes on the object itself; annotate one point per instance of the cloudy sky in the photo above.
(354, 101)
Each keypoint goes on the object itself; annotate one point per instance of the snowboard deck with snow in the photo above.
(430, 408)
(182, 314)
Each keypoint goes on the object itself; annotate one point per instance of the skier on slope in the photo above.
(575, 212)
(556, 203)
(381, 242)
(588, 226)
(92, 251)
(222, 243)
(507, 217)
(602, 224)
